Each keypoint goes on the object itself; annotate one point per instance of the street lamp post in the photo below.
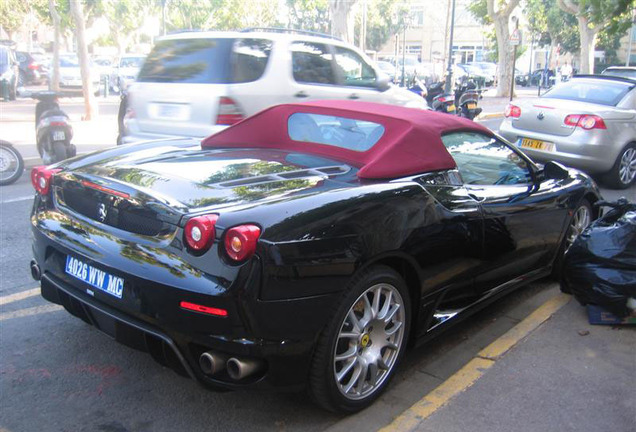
(449, 70)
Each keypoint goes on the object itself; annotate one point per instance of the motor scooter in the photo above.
(440, 101)
(52, 128)
(11, 163)
(467, 98)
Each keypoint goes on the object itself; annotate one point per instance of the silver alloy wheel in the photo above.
(627, 167)
(579, 222)
(369, 341)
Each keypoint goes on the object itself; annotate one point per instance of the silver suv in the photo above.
(196, 83)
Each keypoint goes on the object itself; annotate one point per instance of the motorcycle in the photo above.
(53, 129)
(467, 98)
(440, 101)
(11, 164)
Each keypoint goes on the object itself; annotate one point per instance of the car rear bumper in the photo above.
(582, 149)
(277, 335)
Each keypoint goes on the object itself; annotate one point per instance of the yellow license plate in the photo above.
(537, 144)
(471, 105)
(451, 108)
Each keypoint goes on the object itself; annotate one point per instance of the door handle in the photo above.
(301, 94)
(354, 96)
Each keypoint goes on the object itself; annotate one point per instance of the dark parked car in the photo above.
(31, 70)
(305, 246)
(9, 70)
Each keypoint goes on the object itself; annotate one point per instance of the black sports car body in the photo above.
(303, 247)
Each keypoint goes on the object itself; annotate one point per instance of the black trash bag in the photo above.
(600, 266)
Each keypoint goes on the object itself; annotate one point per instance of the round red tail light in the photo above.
(240, 241)
(199, 232)
(41, 178)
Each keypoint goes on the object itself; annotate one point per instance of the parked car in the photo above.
(31, 70)
(305, 246)
(193, 84)
(70, 73)
(481, 78)
(621, 71)
(9, 70)
(587, 122)
(388, 69)
(489, 69)
(103, 65)
(125, 70)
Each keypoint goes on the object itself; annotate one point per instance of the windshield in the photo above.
(131, 62)
(4, 57)
(625, 73)
(188, 61)
(69, 62)
(594, 91)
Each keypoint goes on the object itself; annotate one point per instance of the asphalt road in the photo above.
(59, 374)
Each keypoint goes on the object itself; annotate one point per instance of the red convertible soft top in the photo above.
(411, 143)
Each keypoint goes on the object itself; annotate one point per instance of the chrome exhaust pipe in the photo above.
(35, 270)
(238, 369)
(212, 362)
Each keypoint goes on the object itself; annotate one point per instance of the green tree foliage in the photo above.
(220, 14)
(593, 17)
(384, 19)
(312, 15)
(12, 14)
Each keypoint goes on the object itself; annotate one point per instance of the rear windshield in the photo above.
(206, 61)
(599, 92)
(625, 73)
(347, 133)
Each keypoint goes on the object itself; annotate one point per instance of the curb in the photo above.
(489, 116)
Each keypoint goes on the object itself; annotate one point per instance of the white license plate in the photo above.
(179, 112)
(59, 135)
(95, 277)
(535, 144)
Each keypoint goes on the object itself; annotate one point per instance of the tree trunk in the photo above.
(90, 104)
(340, 19)
(588, 44)
(54, 84)
(505, 56)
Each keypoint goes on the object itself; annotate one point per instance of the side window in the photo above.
(312, 63)
(250, 59)
(483, 160)
(354, 70)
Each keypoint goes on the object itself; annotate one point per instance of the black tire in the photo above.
(617, 177)
(22, 79)
(557, 267)
(377, 359)
(11, 167)
(59, 151)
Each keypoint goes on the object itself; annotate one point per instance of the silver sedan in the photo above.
(588, 123)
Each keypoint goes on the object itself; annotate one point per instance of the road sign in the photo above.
(515, 37)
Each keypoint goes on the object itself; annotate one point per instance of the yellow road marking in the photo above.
(19, 296)
(30, 311)
(499, 347)
(473, 370)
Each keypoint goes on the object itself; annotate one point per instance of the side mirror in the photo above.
(555, 171)
(382, 82)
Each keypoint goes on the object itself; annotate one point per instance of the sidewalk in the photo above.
(567, 375)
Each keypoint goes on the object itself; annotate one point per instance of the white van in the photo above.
(196, 83)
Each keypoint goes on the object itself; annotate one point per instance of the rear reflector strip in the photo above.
(203, 309)
(104, 189)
